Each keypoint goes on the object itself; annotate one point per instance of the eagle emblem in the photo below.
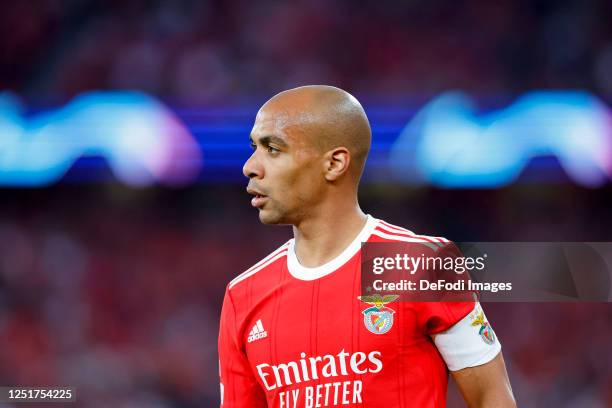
(486, 332)
(378, 318)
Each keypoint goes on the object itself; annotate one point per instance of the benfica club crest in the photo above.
(486, 332)
(378, 318)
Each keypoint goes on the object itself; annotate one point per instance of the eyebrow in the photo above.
(266, 140)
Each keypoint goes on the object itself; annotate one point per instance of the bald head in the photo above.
(325, 117)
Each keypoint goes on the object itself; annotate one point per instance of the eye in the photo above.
(272, 149)
(253, 145)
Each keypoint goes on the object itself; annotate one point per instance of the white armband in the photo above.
(469, 343)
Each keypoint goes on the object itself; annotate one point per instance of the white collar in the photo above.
(303, 273)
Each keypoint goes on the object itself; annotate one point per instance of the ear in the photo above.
(337, 162)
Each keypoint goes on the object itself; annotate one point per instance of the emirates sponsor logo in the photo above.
(319, 367)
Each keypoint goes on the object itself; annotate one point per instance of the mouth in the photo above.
(259, 199)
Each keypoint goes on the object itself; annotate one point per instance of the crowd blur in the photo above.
(117, 292)
(201, 51)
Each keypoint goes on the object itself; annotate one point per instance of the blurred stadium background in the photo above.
(124, 125)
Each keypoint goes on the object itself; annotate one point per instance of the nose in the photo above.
(252, 168)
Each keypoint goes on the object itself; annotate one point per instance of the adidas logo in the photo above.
(257, 332)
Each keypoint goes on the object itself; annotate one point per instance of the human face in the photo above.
(285, 170)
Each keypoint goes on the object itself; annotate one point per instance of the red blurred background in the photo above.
(116, 290)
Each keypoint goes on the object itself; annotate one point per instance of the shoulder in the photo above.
(267, 263)
(386, 232)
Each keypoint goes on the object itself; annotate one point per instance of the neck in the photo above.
(321, 238)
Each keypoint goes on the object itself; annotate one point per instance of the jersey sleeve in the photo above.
(436, 317)
(459, 329)
(239, 387)
(464, 339)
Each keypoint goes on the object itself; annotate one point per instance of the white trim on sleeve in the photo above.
(470, 342)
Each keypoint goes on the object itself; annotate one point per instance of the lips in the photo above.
(259, 200)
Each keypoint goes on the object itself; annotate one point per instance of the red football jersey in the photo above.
(292, 336)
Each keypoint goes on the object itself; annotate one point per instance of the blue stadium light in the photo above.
(141, 140)
(446, 143)
(449, 145)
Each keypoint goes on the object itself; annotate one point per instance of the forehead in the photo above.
(270, 121)
(282, 123)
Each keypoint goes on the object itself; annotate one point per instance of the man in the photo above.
(292, 331)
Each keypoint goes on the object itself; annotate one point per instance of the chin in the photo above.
(270, 218)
